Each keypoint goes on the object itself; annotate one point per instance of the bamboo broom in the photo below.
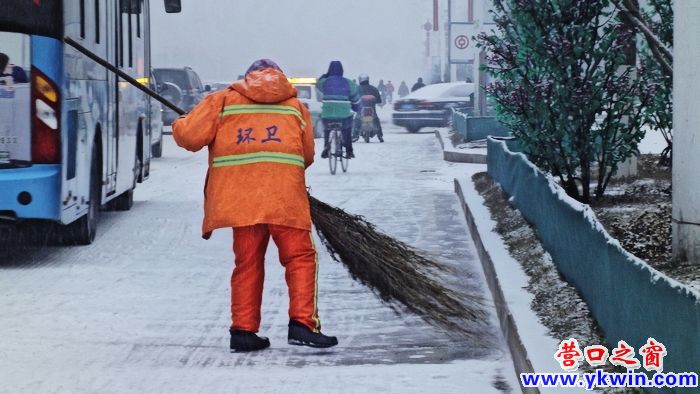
(396, 271)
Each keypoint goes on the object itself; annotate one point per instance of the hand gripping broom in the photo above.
(394, 270)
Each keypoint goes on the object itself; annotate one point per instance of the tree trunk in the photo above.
(585, 181)
(571, 188)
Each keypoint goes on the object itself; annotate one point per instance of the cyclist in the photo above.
(340, 99)
(368, 90)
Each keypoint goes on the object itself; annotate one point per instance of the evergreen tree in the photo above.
(563, 87)
(658, 17)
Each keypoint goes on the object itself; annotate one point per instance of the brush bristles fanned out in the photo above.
(395, 271)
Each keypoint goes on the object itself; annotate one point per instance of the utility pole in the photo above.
(436, 29)
(448, 39)
(686, 133)
(447, 72)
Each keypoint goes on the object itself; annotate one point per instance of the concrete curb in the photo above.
(457, 156)
(521, 361)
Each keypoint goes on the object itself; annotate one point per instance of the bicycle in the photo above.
(336, 149)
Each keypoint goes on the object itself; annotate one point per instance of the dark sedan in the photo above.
(432, 105)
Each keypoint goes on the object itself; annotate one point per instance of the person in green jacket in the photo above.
(340, 99)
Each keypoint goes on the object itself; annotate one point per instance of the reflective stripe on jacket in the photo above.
(260, 141)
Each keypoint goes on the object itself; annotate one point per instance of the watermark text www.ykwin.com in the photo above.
(570, 356)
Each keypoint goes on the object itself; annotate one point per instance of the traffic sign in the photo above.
(462, 42)
(462, 48)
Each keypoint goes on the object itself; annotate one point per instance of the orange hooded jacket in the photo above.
(260, 141)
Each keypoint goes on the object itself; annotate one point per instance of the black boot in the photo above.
(246, 341)
(324, 153)
(301, 335)
(381, 139)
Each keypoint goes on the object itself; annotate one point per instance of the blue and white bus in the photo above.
(74, 138)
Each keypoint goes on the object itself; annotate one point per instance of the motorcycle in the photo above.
(365, 119)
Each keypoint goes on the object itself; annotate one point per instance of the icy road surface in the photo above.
(146, 307)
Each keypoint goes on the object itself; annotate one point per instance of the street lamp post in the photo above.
(428, 27)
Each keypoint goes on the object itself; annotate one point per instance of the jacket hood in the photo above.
(261, 64)
(267, 85)
(335, 69)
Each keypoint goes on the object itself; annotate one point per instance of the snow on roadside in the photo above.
(538, 342)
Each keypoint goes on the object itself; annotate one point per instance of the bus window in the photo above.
(130, 6)
(15, 108)
(172, 6)
(131, 42)
(97, 21)
(41, 18)
(82, 18)
(120, 37)
(138, 19)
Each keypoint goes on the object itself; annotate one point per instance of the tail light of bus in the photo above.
(46, 136)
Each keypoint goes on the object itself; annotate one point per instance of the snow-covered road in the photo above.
(145, 308)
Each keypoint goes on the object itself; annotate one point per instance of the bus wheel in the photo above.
(141, 170)
(124, 202)
(83, 230)
(157, 148)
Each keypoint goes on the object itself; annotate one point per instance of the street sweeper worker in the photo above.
(260, 141)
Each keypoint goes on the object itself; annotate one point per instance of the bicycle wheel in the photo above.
(344, 161)
(333, 146)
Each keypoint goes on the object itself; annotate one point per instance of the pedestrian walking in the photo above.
(419, 84)
(403, 89)
(382, 92)
(260, 141)
(389, 87)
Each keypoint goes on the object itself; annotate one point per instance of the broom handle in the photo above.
(122, 75)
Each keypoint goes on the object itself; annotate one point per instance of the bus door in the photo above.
(128, 109)
(111, 131)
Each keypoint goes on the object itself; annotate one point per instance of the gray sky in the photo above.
(220, 38)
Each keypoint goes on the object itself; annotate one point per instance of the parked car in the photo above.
(182, 86)
(307, 93)
(432, 105)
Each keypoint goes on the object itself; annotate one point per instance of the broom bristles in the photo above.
(396, 271)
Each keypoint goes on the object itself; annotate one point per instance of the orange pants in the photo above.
(297, 255)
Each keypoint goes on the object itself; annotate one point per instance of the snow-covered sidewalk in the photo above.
(145, 308)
